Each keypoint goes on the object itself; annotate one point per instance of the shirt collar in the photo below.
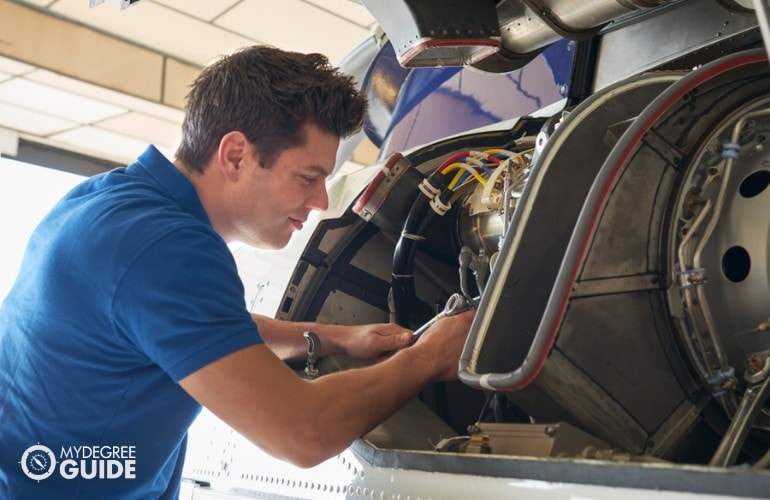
(153, 164)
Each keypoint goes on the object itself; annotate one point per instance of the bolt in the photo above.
(753, 364)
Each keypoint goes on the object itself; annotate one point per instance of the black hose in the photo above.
(409, 310)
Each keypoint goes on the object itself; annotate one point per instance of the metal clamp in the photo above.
(690, 278)
(313, 352)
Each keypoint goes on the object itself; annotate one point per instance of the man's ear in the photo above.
(234, 148)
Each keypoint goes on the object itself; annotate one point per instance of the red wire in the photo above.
(463, 154)
(453, 159)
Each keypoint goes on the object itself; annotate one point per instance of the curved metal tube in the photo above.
(753, 399)
(688, 296)
(581, 238)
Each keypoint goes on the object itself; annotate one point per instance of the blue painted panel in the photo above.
(437, 102)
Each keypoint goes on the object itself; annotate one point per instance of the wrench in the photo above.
(455, 304)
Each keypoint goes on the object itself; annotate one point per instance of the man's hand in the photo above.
(375, 341)
(368, 342)
(444, 342)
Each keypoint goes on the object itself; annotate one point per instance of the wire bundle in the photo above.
(471, 165)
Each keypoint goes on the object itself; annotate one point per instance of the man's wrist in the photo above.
(421, 362)
(332, 337)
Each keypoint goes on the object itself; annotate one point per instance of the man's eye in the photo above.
(308, 179)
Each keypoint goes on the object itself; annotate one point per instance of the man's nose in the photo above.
(319, 199)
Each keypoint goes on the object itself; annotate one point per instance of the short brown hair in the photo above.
(269, 95)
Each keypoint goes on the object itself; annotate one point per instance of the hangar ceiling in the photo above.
(104, 82)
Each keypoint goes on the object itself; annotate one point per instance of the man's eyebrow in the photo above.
(320, 170)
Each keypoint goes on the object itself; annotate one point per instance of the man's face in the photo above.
(274, 202)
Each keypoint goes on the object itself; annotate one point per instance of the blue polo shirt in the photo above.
(124, 289)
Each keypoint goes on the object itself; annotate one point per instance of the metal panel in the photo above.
(699, 29)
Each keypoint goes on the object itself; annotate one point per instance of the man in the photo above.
(128, 314)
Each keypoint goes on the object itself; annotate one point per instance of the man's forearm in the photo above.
(353, 402)
(285, 338)
(306, 421)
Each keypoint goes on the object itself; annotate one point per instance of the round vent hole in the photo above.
(755, 183)
(736, 264)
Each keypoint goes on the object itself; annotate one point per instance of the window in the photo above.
(27, 193)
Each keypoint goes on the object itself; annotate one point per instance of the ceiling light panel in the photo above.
(14, 67)
(286, 24)
(51, 101)
(348, 9)
(153, 25)
(143, 127)
(122, 100)
(207, 10)
(40, 3)
(102, 143)
(31, 122)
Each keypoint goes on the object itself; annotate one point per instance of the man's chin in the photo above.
(273, 242)
(274, 245)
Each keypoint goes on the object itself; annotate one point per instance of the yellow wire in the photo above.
(466, 167)
(499, 151)
(456, 179)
